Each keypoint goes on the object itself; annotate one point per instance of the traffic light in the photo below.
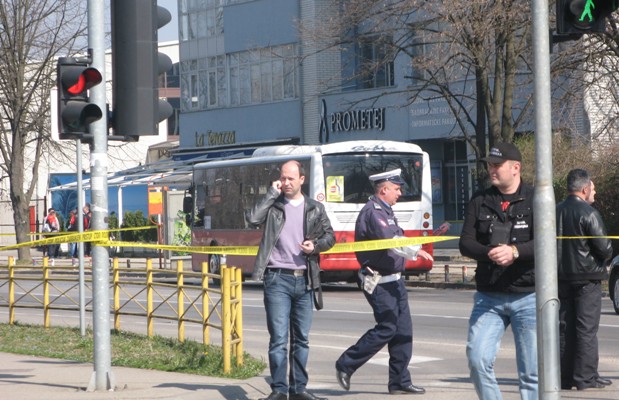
(577, 17)
(136, 66)
(75, 113)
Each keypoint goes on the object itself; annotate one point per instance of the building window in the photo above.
(201, 19)
(418, 51)
(375, 63)
(367, 62)
(248, 77)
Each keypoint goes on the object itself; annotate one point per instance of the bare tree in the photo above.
(586, 70)
(473, 54)
(33, 33)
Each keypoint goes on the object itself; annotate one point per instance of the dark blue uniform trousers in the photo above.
(394, 328)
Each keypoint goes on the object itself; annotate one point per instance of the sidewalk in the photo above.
(33, 378)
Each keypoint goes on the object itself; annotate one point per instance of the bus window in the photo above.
(356, 168)
(224, 195)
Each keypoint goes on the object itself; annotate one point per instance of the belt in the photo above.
(390, 278)
(385, 278)
(288, 271)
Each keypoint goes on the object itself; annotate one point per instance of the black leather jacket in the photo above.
(316, 227)
(483, 213)
(581, 259)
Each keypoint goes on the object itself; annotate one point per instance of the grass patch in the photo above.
(128, 350)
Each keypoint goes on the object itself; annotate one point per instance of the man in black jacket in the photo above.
(296, 230)
(581, 268)
(498, 233)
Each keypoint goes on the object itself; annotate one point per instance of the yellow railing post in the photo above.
(225, 318)
(181, 301)
(149, 298)
(45, 293)
(205, 305)
(116, 282)
(11, 290)
(238, 321)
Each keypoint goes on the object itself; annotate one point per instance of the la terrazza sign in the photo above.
(212, 138)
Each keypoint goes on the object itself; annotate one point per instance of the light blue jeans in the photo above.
(289, 306)
(492, 314)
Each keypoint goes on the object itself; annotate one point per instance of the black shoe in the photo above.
(304, 396)
(567, 386)
(276, 396)
(594, 385)
(342, 378)
(603, 381)
(412, 389)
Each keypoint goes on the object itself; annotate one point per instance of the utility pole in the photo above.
(546, 286)
(102, 378)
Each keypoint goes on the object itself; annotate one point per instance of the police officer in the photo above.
(381, 279)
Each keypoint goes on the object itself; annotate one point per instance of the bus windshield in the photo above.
(351, 172)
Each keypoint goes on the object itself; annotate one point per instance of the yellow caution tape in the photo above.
(102, 238)
(369, 245)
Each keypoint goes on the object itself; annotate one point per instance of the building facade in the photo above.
(247, 81)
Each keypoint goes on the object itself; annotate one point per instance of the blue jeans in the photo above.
(73, 250)
(289, 305)
(492, 314)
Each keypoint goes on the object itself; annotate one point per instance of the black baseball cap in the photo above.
(502, 152)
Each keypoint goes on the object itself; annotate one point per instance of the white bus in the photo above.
(336, 175)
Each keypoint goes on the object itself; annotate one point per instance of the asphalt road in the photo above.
(440, 318)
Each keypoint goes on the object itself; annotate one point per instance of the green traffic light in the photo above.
(587, 11)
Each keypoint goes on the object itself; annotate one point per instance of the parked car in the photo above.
(613, 283)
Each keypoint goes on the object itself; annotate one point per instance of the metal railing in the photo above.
(150, 292)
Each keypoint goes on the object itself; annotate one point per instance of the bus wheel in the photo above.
(214, 267)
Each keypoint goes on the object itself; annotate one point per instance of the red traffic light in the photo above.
(77, 79)
(75, 111)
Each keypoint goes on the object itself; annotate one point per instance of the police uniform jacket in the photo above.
(316, 226)
(581, 259)
(377, 221)
(484, 214)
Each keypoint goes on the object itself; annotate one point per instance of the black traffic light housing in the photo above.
(136, 66)
(577, 17)
(74, 78)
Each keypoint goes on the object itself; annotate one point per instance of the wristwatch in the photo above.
(515, 252)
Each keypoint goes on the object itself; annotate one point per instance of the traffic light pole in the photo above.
(102, 378)
(546, 284)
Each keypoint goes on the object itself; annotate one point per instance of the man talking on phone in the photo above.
(296, 230)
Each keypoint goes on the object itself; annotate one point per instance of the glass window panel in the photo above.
(278, 79)
(222, 87)
(193, 24)
(255, 83)
(233, 59)
(234, 86)
(289, 80)
(202, 26)
(186, 92)
(194, 91)
(212, 84)
(204, 91)
(266, 81)
(356, 168)
(184, 27)
(244, 85)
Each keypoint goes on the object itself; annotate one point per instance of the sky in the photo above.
(169, 31)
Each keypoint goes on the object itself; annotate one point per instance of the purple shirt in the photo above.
(287, 252)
